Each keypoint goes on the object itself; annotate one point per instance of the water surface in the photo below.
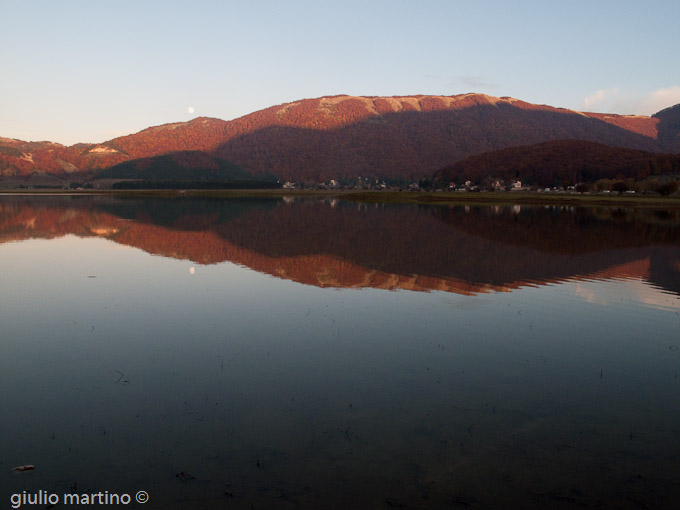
(316, 354)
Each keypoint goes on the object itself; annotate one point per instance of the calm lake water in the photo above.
(328, 354)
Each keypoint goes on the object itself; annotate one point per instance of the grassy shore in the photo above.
(418, 197)
(518, 198)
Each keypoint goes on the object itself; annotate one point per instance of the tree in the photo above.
(667, 188)
(603, 185)
(620, 187)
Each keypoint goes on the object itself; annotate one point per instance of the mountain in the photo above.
(19, 158)
(181, 168)
(343, 137)
(408, 137)
(669, 128)
(560, 163)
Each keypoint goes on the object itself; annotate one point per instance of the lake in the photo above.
(288, 353)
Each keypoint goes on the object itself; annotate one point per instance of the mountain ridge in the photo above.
(346, 136)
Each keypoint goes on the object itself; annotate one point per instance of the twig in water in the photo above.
(184, 477)
(26, 467)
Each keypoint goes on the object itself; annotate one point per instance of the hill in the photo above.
(181, 169)
(343, 137)
(563, 162)
(407, 137)
(669, 128)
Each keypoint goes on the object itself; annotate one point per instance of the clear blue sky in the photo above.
(88, 71)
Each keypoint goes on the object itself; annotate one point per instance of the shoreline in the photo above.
(415, 197)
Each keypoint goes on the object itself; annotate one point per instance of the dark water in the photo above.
(311, 354)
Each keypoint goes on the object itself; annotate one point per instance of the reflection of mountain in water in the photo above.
(341, 244)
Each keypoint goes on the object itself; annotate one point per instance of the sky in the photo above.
(89, 71)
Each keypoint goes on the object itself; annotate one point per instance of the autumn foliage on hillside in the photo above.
(640, 124)
(201, 134)
(560, 163)
(176, 165)
(343, 137)
(402, 138)
(669, 128)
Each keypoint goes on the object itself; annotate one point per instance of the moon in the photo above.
(191, 109)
